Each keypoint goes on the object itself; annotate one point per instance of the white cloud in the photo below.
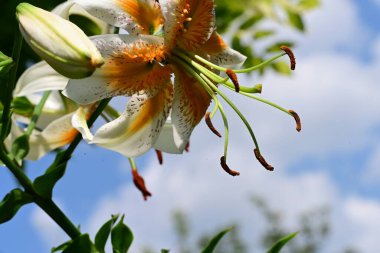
(50, 232)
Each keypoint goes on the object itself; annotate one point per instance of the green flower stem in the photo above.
(37, 112)
(11, 83)
(46, 204)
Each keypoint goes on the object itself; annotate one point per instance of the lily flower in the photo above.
(180, 41)
(53, 128)
(58, 41)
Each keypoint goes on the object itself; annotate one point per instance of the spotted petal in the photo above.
(189, 106)
(129, 68)
(137, 129)
(189, 23)
(166, 141)
(220, 53)
(136, 16)
(69, 8)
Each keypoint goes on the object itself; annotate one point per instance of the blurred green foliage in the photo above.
(246, 21)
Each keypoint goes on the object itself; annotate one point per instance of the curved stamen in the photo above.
(138, 180)
(289, 112)
(159, 156)
(292, 58)
(210, 125)
(227, 169)
(261, 159)
(232, 75)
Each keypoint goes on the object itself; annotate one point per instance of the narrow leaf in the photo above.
(82, 244)
(61, 247)
(121, 237)
(12, 203)
(295, 20)
(214, 241)
(281, 243)
(5, 64)
(103, 234)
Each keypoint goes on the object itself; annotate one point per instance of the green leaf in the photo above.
(250, 22)
(121, 237)
(22, 106)
(12, 202)
(295, 20)
(214, 241)
(165, 251)
(5, 64)
(262, 34)
(281, 243)
(103, 234)
(44, 184)
(61, 247)
(308, 4)
(82, 244)
(281, 67)
(276, 46)
(20, 147)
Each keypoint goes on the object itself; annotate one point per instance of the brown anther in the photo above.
(297, 119)
(261, 159)
(232, 75)
(210, 125)
(159, 156)
(187, 148)
(291, 56)
(226, 168)
(140, 184)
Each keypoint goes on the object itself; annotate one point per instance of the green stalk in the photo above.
(45, 204)
(10, 84)
(37, 112)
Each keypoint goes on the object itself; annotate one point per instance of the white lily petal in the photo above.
(79, 122)
(57, 134)
(166, 141)
(68, 8)
(109, 11)
(38, 78)
(123, 73)
(137, 129)
(228, 58)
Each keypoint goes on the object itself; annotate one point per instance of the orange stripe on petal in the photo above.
(214, 45)
(189, 105)
(146, 13)
(190, 23)
(135, 69)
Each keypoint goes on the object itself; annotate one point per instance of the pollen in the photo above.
(144, 52)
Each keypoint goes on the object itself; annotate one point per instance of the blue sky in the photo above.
(334, 161)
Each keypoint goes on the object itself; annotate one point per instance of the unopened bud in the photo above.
(59, 42)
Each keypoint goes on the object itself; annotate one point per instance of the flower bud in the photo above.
(59, 42)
